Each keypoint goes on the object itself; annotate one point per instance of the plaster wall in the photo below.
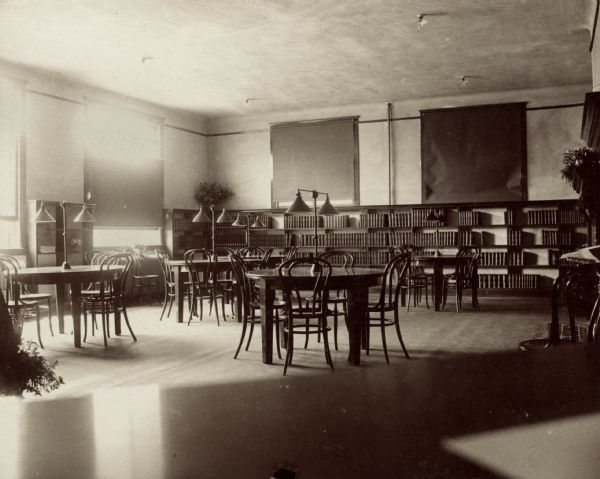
(240, 155)
(55, 125)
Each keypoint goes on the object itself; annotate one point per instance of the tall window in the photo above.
(11, 102)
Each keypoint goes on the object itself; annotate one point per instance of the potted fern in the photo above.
(208, 193)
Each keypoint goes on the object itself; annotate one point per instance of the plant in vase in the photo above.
(22, 368)
(582, 172)
(208, 193)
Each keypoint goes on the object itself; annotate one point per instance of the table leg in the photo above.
(357, 307)
(76, 313)
(438, 285)
(179, 292)
(267, 296)
(474, 288)
(60, 307)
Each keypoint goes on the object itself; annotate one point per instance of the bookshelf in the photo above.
(520, 241)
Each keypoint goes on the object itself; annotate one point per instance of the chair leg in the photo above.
(37, 325)
(290, 351)
(104, 321)
(326, 344)
(124, 310)
(277, 336)
(50, 316)
(250, 335)
(383, 341)
(397, 324)
(335, 327)
(165, 306)
(84, 324)
(306, 339)
(237, 351)
(427, 295)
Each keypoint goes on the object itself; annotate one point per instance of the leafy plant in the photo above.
(212, 193)
(28, 371)
(582, 172)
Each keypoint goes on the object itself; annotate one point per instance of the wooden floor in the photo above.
(168, 353)
(176, 404)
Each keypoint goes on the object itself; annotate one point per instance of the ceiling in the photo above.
(230, 57)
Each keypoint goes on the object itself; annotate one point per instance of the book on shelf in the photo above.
(469, 218)
(373, 220)
(508, 281)
(400, 220)
(291, 222)
(336, 221)
(515, 237)
(571, 217)
(419, 216)
(542, 217)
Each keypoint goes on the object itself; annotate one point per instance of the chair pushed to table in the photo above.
(169, 282)
(463, 276)
(393, 276)
(251, 304)
(109, 298)
(203, 283)
(22, 304)
(300, 317)
(338, 300)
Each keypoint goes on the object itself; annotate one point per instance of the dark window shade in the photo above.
(473, 154)
(126, 194)
(316, 155)
(124, 172)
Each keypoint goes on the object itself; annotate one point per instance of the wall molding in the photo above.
(55, 97)
(379, 120)
(187, 130)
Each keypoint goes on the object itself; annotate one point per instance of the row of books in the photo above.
(419, 216)
(501, 258)
(185, 223)
(230, 240)
(345, 239)
(469, 218)
(336, 221)
(301, 221)
(542, 217)
(373, 220)
(508, 281)
(509, 217)
(445, 238)
(514, 237)
(263, 239)
(361, 258)
(399, 220)
(555, 237)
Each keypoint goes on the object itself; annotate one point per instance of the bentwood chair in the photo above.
(19, 307)
(110, 296)
(169, 282)
(143, 283)
(393, 275)
(338, 299)
(200, 265)
(419, 282)
(462, 277)
(301, 318)
(251, 304)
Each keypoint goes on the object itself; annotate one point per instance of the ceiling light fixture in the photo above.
(421, 21)
(464, 80)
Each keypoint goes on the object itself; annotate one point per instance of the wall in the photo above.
(240, 155)
(55, 130)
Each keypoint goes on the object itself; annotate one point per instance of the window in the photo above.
(11, 101)
(126, 237)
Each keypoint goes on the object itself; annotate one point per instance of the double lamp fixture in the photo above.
(85, 216)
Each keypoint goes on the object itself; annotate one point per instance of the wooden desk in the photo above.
(181, 275)
(438, 263)
(356, 281)
(74, 277)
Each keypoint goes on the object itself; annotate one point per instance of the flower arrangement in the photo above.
(212, 193)
(582, 172)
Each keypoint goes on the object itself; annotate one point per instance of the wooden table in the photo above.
(356, 281)
(181, 276)
(438, 263)
(74, 277)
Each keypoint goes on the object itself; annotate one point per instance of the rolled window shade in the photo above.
(320, 155)
(124, 170)
(474, 154)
